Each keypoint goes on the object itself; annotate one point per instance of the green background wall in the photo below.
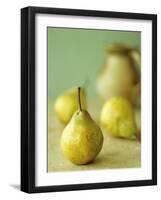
(75, 55)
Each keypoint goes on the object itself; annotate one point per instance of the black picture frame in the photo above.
(28, 98)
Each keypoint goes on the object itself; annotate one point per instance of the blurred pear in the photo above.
(117, 118)
(67, 103)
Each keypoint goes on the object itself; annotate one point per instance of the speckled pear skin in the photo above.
(82, 139)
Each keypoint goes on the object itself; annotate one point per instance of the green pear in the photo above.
(66, 104)
(82, 139)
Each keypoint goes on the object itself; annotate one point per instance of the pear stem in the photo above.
(79, 98)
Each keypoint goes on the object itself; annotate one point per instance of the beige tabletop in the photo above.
(115, 153)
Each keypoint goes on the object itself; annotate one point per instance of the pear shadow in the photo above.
(103, 158)
(114, 160)
(15, 186)
(107, 160)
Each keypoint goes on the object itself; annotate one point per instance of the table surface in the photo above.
(115, 153)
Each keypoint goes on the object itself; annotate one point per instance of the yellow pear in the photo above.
(117, 118)
(66, 104)
(82, 139)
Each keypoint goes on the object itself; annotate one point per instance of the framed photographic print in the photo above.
(88, 99)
